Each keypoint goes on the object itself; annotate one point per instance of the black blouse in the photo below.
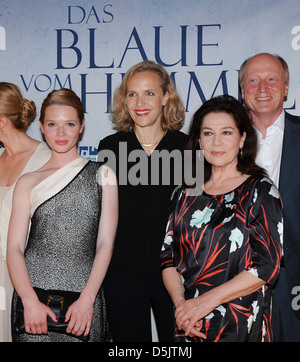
(144, 197)
(212, 238)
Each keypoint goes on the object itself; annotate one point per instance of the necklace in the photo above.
(153, 144)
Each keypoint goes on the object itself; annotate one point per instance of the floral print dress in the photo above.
(212, 238)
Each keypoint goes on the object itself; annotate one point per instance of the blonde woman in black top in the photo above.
(148, 114)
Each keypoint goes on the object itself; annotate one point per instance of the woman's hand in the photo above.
(80, 315)
(190, 313)
(35, 317)
(195, 331)
(193, 310)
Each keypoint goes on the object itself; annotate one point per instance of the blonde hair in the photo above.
(173, 112)
(20, 111)
(63, 97)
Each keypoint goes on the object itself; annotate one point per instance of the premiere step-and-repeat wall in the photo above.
(88, 45)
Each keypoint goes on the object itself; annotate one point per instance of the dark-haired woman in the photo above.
(221, 254)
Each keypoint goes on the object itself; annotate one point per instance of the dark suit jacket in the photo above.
(289, 187)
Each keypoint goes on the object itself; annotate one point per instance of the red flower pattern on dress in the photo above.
(211, 238)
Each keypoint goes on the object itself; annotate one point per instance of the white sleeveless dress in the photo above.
(38, 159)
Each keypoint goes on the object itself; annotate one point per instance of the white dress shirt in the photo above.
(270, 149)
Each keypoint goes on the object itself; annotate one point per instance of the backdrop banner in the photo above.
(88, 45)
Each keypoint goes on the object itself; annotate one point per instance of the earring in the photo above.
(241, 153)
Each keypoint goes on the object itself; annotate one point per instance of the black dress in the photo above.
(212, 238)
(133, 281)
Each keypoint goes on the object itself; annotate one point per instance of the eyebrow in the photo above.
(226, 127)
(66, 120)
(145, 90)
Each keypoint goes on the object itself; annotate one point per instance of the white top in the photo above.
(55, 182)
(270, 149)
(40, 156)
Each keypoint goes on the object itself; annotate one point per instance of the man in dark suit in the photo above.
(264, 81)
